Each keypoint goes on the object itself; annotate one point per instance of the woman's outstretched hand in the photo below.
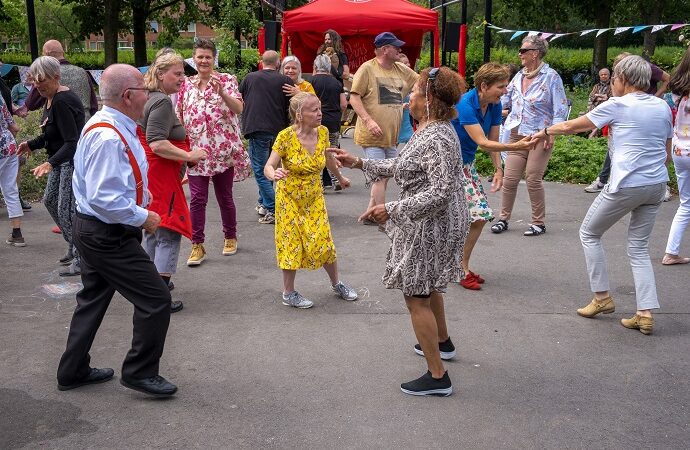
(343, 157)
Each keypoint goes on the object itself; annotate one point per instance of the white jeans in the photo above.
(682, 217)
(608, 208)
(8, 184)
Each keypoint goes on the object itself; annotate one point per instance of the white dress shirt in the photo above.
(103, 180)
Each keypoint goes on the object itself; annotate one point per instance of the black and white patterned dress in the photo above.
(429, 223)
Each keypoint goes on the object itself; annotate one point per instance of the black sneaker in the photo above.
(446, 348)
(428, 385)
(67, 259)
(176, 306)
(26, 206)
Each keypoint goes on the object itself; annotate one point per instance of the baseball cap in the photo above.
(387, 38)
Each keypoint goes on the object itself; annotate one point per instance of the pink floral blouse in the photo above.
(211, 125)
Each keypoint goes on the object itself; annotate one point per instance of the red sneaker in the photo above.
(56, 229)
(477, 277)
(469, 282)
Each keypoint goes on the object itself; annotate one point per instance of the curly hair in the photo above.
(442, 92)
(336, 42)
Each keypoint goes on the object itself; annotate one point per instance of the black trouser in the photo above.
(112, 259)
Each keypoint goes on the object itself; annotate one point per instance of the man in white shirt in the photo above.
(109, 185)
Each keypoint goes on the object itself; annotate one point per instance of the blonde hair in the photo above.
(160, 65)
(297, 103)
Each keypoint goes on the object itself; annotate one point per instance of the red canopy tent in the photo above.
(357, 22)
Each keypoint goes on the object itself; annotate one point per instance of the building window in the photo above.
(121, 44)
(93, 45)
(191, 27)
(154, 26)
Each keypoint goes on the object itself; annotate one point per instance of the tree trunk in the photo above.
(140, 13)
(238, 55)
(651, 14)
(111, 31)
(601, 43)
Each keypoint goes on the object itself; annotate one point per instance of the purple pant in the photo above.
(222, 184)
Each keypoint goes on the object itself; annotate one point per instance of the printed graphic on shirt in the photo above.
(390, 90)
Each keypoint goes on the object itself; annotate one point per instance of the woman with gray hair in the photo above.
(641, 126)
(292, 67)
(61, 125)
(333, 103)
(536, 99)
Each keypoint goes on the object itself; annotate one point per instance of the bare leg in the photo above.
(289, 280)
(424, 326)
(472, 238)
(332, 271)
(436, 303)
(378, 192)
(16, 222)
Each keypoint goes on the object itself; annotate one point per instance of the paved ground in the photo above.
(252, 373)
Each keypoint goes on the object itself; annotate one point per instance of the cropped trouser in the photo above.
(642, 203)
(682, 217)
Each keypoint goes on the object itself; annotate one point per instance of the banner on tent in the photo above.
(599, 31)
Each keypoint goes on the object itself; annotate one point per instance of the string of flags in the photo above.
(599, 31)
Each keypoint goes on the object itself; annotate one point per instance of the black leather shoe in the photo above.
(95, 376)
(175, 306)
(156, 386)
(171, 285)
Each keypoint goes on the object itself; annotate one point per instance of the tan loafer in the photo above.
(637, 322)
(604, 306)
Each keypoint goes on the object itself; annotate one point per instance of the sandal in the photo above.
(499, 227)
(535, 230)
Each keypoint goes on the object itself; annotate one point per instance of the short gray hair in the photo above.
(537, 43)
(322, 63)
(45, 67)
(635, 71)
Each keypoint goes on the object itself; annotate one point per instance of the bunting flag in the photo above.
(599, 31)
(5, 69)
(96, 75)
(23, 73)
(191, 63)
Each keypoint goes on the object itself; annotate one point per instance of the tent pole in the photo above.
(487, 31)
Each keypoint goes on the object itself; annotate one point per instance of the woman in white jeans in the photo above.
(680, 87)
(641, 131)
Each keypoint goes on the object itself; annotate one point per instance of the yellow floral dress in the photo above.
(302, 232)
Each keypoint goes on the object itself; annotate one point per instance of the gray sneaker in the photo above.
(596, 186)
(267, 218)
(296, 300)
(344, 291)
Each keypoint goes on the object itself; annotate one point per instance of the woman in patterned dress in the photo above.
(303, 234)
(477, 125)
(429, 222)
(208, 106)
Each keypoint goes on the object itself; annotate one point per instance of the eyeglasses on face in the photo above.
(522, 51)
(146, 90)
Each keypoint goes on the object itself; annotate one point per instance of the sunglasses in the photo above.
(522, 51)
(433, 73)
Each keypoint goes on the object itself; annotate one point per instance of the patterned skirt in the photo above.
(477, 205)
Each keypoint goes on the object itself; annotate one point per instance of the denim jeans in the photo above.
(607, 209)
(260, 144)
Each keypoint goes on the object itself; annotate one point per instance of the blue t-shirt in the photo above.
(470, 113)
(406, 130)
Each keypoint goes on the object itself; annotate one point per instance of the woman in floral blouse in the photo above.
(208, 106)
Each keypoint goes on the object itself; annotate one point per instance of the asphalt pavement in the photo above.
(253, 373)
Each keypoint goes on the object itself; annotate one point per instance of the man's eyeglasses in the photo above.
(522, 51)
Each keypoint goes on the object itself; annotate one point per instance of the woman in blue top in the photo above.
(477, 124)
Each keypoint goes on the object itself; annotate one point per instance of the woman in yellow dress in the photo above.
(302, 232)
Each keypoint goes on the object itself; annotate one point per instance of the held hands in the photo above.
(151, 223)
(197, 155)
(343, 157)
(377, 213)
(526, 143)
(548, 139)
(344, 182)
(43, 169)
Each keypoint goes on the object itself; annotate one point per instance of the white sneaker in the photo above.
(667, 195)
(596, 186)
(345, 292)
(260, 210)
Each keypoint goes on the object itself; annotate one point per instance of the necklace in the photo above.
(529, 75)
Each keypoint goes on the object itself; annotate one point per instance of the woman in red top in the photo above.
(167, 149)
